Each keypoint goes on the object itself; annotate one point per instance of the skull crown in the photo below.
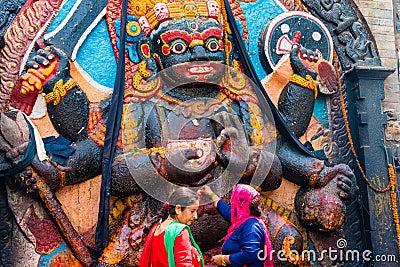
(151, 13)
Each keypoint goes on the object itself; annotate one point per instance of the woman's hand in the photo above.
(204, 190)
(220, 260)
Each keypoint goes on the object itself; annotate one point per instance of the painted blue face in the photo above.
(190, 50)
(184, 40)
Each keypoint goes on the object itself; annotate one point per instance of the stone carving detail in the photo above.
(18, 38)
(6, 225)
(353, 226)
(338, 128)
(352, 41)
(8, 11)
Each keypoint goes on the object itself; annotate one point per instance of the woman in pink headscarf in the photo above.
(247, 242)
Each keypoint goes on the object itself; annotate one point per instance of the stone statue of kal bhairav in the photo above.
(190, 117)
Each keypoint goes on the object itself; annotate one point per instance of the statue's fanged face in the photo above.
(190, 50)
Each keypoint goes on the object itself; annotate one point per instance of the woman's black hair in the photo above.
(255, 207)
(181, 196)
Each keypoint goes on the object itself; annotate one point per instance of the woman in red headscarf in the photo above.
(247, 242)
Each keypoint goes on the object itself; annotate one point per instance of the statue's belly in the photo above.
(193, 151)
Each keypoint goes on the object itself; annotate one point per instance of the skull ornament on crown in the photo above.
(151, 13)
(161, 11)
(213, 9)
(144, 25)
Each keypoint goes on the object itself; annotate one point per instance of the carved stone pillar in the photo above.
(365, 89)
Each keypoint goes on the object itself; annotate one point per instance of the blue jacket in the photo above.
(246, 242)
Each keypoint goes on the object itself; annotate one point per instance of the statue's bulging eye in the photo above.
(212, 46)
(178, 47)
